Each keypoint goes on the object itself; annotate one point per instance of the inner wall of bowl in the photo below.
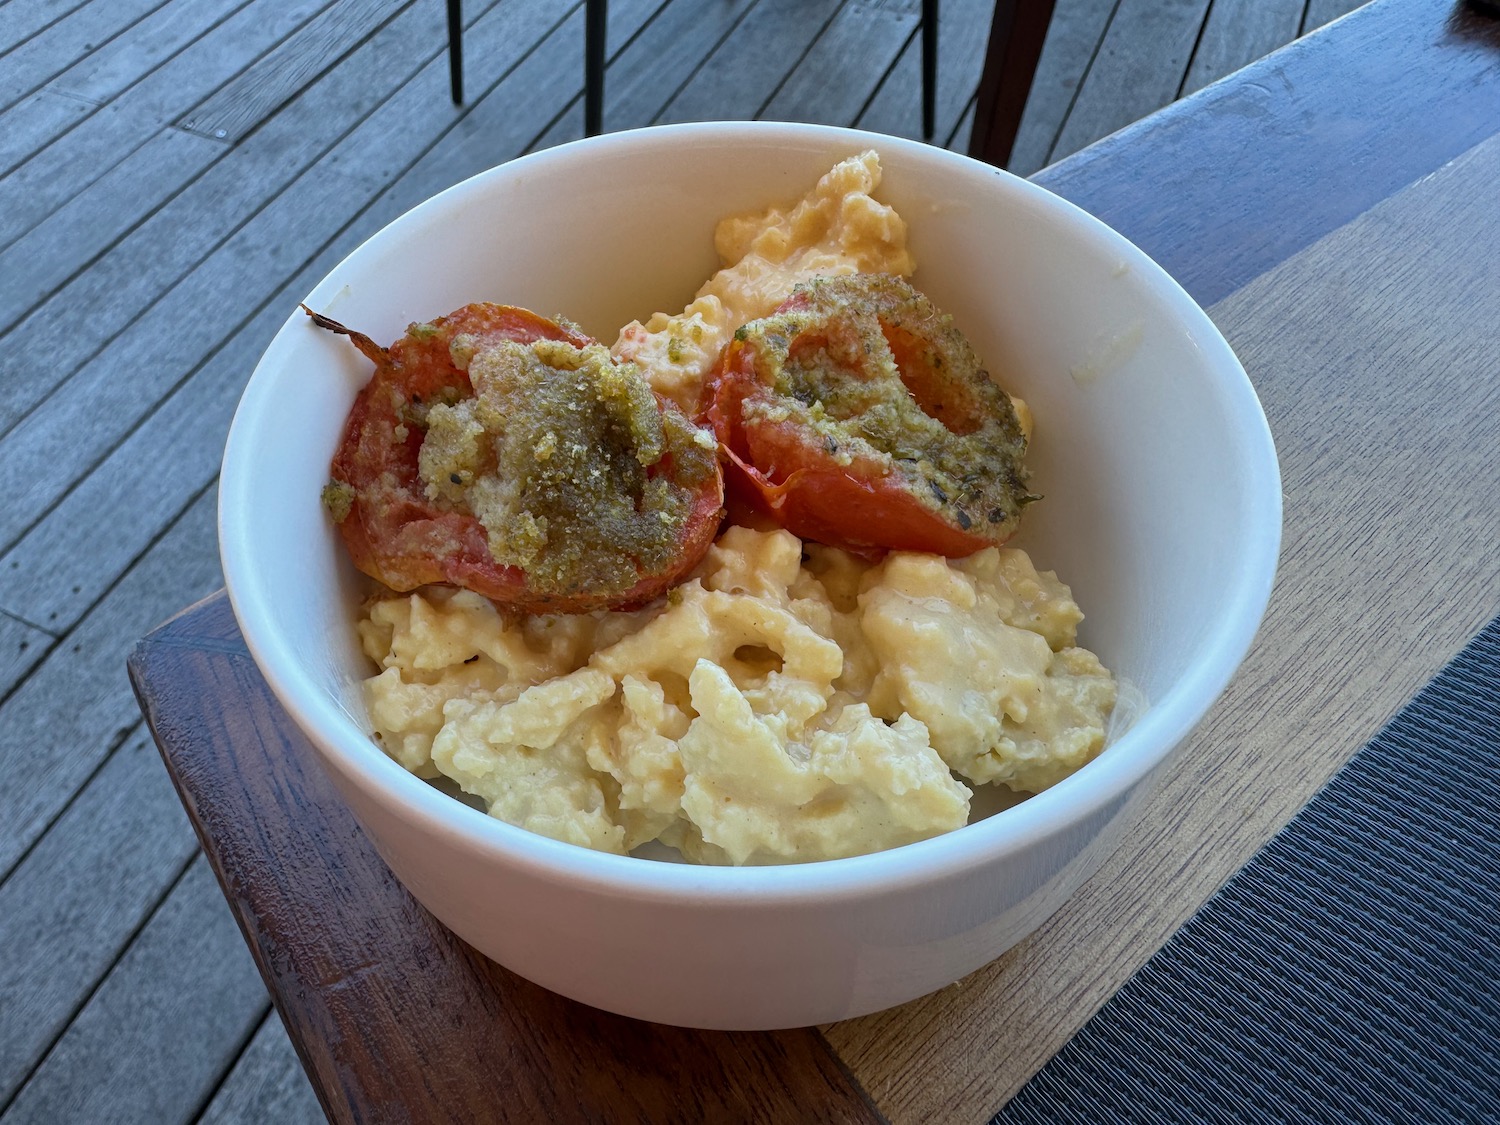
(1135, 447)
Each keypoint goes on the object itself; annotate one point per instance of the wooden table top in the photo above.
(1333, 207)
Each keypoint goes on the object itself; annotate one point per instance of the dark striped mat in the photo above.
(1349, 973)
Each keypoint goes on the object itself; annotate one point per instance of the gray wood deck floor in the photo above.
(174, 175)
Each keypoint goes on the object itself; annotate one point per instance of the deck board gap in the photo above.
(806, 50)
(39, 29)
(1187, 70)
(714, 48)
(121, 738)
(1052, 154)
(97, 985)
(90, 47)
(232, 1060)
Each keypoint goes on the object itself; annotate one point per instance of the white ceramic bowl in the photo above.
(1162, 511)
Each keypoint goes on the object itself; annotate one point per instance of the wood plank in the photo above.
(288, 68)
(840, 71)
(510, 116)
(178, 1006)
(313, 213)
(43, 259)
(63, 720)
(34, 122)
(140, 272)
(263, 804)
(1369, 604)
(1322, 12)
(62, 169)
(1137, 70)
(113, 67)
(78, 898)
(266, 1085)
(653, 64)
(1073, 39)
(24, 18)
(1235, 35)
(191, 223)
(896, 108)
(1421, 90)
(51, 51)
(745, 71)
(22, 647)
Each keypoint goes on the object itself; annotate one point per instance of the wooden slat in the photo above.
(182, 1000)
(34, 122)
(665, 54)
(1371, 600)
(1235, 35)
(40, 261)
(896, 108)
(121, 845)
(64, 168)
(743, 74)
(1423, 92)
(1072, 41)
(375, 1054)
(21, 647)
(287, 69)
(266, 1086)
(1138, 69)
(53, 50)
(110, 68)
(841, 69)
(60, 724)
(1321, 12)
(24, 18)
(253, 266)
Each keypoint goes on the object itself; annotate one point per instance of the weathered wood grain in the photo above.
(44, 258)
(34, 122)
(1138, 69)
(896, 107)
(21, 647)
(24, 18)
(742, 75)
(64, 719)
(1420, 89)
(1235, 35)
(840, 70)
(1372, 598)
(179, 1003)
(289, 67)
(88, 526)
(539, 97)
(107, 69)
(54, 49)
(265, 807)
(1321, 12)
(1072, 41)
(266, 1085)
(122, 843)
(61, 170)
(653, 65)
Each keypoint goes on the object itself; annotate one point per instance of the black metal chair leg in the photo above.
(929, 67)
(456, 50)
(595, 18)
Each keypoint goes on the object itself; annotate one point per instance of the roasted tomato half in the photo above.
(499, 451)
(856, 415)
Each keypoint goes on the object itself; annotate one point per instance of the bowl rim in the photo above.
(1108, 779)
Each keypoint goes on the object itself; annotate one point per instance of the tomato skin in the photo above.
(856, 415)
(399, 537)
(859, 507)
